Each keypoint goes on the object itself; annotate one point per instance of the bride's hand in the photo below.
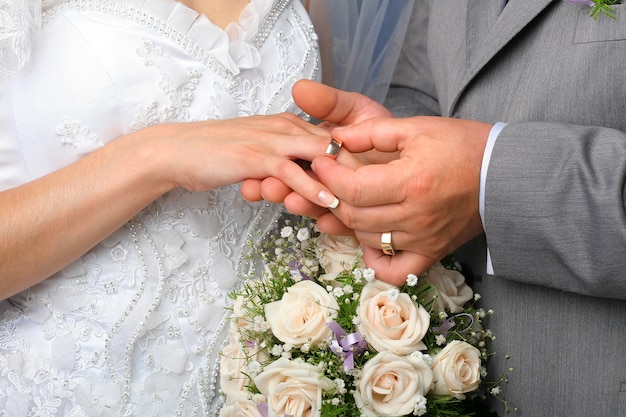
(336, 108)
(82, 203)
(206, 155)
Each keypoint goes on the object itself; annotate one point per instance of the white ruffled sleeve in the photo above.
(20, 20)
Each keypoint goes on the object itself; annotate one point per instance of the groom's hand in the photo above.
(335, 108)
(428, 197)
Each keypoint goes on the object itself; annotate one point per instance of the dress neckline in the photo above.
(228, 51)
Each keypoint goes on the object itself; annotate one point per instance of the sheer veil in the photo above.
(360, 41)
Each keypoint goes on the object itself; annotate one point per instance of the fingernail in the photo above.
(328, 199)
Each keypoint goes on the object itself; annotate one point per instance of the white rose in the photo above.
(301, 315)
(450, 288)
(391, 321)
(337, 254)
(292, 388)
(235, 358)
(233, 362)
(238, 404)
(239, 313)
(391, 385)
(456, 369)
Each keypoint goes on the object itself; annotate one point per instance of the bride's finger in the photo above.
(274, 190)
(348, 159)
(250, 190)
(294, 177)
(296, 204)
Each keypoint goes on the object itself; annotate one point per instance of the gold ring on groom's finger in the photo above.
(333, 148)
(385, 244)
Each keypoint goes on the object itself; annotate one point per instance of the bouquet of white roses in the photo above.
(316, 334)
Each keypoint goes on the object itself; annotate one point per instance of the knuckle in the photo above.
(286, 169)
(287, 121)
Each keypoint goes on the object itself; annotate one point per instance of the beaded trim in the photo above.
(136, 228)
(266, 27)
(143, 18)
(204, 381)
(311, 37)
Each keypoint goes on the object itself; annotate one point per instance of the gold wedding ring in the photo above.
(333, 148)
(385, 244)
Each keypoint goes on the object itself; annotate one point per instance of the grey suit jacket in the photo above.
(555, 219)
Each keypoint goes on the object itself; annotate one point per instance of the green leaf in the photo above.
(603, 7)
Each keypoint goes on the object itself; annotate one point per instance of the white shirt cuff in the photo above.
(491, 141)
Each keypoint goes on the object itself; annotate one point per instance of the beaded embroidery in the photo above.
(146, 306)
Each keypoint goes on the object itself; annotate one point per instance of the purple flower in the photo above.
(588, 3)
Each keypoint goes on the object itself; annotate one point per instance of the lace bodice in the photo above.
(134, 326)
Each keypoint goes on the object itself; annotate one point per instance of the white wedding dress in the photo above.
(134, 326)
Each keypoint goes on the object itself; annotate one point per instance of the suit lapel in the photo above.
(480, 22)
(487, 37)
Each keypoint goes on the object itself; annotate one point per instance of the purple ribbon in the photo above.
(449, 323)
(446, 325)
(295, 267)
(588, 3)
(263, 409)
(346, 345)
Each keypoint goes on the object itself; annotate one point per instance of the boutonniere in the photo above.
(599, 7)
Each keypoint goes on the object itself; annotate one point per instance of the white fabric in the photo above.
(19, 22)
(491, 142)
(134, 326)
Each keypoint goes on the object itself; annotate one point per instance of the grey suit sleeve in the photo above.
(555, 206)
(412, 91)
(555, 211)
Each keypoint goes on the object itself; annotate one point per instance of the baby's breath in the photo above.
(292, 257)
(369, 274)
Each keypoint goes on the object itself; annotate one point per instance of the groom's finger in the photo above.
(394, 269)
(368, 185)
(380, 134)
(335, 106)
